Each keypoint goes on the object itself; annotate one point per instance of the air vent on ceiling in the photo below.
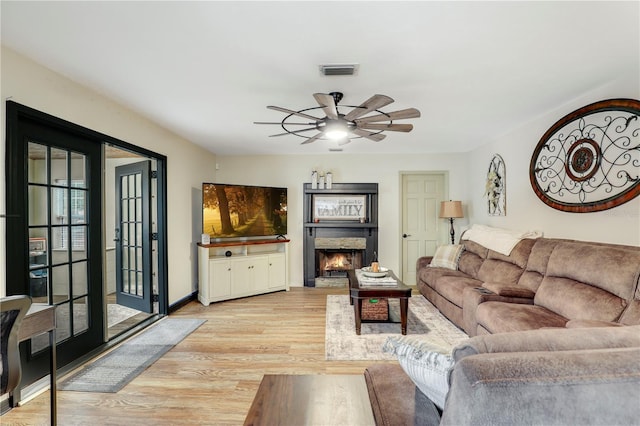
(339, 69)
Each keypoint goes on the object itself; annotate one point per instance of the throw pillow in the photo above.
(428, 365)
(447, 256)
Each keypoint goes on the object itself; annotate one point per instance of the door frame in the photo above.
(401, 175)
(17, 276)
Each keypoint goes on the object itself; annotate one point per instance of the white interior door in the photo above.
(421, 227)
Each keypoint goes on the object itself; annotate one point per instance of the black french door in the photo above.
(55, 184)
(54, 236)
(133, 236)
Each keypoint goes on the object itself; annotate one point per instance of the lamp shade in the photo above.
(451, 209)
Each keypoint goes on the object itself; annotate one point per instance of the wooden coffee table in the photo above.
(358, 294)
(298, 400)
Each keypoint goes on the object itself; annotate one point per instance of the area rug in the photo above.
(342, 343)
(113, 371)
(118, 313)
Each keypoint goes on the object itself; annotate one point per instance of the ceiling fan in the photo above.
(343, 127)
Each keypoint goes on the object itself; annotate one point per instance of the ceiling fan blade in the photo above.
(328, 105)
(290, 111)
(371, 104)
(293, 132)
(396, 115)
(383, 126)
(286, 124)
(312, 139)
(376, 137)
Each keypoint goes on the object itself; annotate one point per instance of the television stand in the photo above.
(233, 269)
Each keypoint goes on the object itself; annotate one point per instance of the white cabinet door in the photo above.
(219, 279)
(260, 274)
(241, 277)
(277, 271)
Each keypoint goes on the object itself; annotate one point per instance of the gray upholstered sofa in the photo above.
(543, 282)
(568, 376)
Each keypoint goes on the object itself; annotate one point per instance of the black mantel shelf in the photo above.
(371, 227)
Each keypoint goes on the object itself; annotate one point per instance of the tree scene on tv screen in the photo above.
(243, 211)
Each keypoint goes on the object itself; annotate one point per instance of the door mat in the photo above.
(115, 370)
(424, 319)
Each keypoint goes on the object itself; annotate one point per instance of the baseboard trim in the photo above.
(182, 302)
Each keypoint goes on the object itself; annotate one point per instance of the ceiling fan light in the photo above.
(336, 134)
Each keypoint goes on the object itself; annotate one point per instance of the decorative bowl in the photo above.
(369, 273)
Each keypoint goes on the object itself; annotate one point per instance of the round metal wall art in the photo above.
(589, 160)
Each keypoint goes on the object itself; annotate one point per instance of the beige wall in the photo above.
(524, 210)
(467, 174)
(188, 166)
(30, 84)
(292, 171)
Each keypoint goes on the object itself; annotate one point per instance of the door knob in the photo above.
(406, 235)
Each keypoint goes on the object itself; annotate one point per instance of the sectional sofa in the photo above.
(542, 282)
(557, 337)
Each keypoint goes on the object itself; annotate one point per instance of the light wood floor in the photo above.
(211, 377)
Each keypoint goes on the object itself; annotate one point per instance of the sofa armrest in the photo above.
(395, 400)
(552, 339)
(591, 323)
(474, 296)
(423, 261)
(598, 386)
(509, 290)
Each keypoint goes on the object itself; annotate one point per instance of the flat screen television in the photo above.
(242, 211)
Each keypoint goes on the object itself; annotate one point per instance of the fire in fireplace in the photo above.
(336, 262)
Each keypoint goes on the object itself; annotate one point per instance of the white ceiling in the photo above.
(207, 70)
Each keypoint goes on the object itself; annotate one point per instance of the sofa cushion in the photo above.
(576, 300)
(610, 268)
(447, 256)
(426, 364)
(537, 263)
(540, 254)
(452, 288)
(518, 256)
(475, 248)
(431, 275)
(470, 264)
(499, 271)
(500, 317)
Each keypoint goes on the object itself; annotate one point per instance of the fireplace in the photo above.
(332, 247)
(332, 263)
(336, 255)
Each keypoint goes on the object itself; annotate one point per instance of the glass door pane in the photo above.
(58, 231)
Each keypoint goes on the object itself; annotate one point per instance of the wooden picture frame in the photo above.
(37, 244)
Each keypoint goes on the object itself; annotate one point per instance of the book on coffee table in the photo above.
(385, 281)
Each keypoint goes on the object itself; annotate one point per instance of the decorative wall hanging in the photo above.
(496, 187)
(590, 159)
(339, 207)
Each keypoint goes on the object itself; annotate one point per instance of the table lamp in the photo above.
(450, 210)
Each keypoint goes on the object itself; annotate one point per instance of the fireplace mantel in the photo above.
(366, 227)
